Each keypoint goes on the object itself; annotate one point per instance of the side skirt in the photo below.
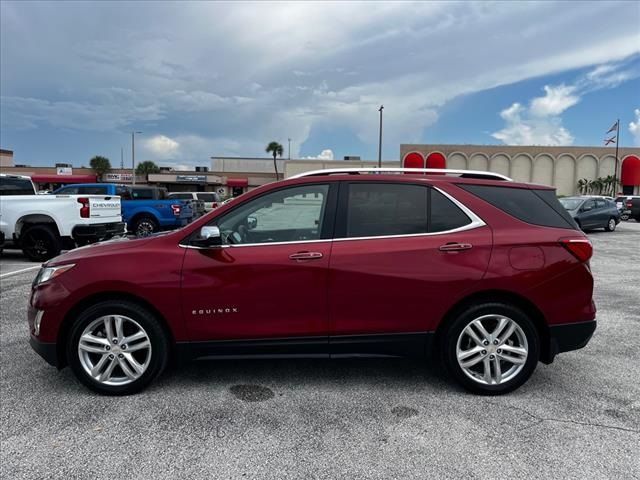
(383, 345)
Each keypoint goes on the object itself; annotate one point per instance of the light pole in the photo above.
(289, 155)
(133, 157)
(380, 139)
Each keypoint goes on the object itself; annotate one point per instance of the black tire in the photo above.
(157, 336)
(40, 243)
(611, 225)
(144, 226)
(454, 332)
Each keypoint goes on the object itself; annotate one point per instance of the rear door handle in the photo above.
(305, 256)
(455, 247)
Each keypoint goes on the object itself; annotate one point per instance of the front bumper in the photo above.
(48, 351)
(98, 231)
(567, 337)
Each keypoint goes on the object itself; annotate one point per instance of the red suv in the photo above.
(488, 274)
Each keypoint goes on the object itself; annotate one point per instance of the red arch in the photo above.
(630, 171)
(436, 160)
(413, 160)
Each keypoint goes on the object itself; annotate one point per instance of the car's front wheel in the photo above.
(117, 347)
(491, 348)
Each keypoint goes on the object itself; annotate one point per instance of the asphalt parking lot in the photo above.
(362, 418)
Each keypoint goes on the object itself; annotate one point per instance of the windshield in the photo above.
(570, 203)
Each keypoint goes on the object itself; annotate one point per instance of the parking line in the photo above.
(19, 271)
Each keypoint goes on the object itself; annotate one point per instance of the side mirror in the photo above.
(208, 237)
(586, 208)
(252, 222)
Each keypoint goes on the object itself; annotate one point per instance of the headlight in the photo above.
(47, 273)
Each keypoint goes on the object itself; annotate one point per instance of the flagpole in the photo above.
(615, 174)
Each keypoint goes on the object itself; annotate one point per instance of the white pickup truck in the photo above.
(42, 225)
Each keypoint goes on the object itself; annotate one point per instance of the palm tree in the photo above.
(100, 165)
(582, 186)
(275, 149)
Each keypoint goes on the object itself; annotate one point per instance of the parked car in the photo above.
(145, 209)
(624, 205)
(42, 225)
(489, 275)
(197, 205)
(633, 207)
(211, 199)
(592, 212)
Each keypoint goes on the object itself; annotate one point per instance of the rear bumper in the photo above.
(98, 231)
(48, 351)
(567, 337)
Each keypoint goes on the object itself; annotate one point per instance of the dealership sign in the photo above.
(118, 177)
(191, 178)
(64, 171)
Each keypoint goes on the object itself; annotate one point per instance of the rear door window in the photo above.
(181, 196)
(92, 190)
(381, 209)
(15, 186)
(385, 209)
(538, 207)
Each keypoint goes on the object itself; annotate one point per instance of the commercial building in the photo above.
(6, 158)
(561, 167)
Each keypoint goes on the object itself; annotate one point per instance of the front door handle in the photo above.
(305, 256)
(455, 247)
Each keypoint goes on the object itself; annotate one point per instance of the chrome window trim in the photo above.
(476, 222)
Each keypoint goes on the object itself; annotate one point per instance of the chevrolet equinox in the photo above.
(487, 275)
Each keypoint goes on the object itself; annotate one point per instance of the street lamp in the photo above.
(380, 139)
(133, 156)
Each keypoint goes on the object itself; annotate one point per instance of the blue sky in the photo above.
(216, 78)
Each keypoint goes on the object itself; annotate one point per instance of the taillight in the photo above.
(214, 205)
(578, 247)
(85, 210)
(629, 204)
(176, 209)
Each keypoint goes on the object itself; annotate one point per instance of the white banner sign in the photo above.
(64, 171)
(118, 177)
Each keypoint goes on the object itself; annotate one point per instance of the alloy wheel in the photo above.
(145, 228)
(612, 224)
(114, 350)
(492, 349)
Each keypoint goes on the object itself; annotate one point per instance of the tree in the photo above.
(583, 185)
(100, 165)
(147, 167)
(275, 149)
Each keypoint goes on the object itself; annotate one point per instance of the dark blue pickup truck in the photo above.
(145, 209)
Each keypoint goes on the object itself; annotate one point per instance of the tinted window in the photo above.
(15, 186)
(589, 205)
(181, 196)
(142, 193)
(123, 192)
(288, 215)
(445, 215)
(94, 190)
(570, 203)
(67, 191)
(601, 203)
(209, 197)
(539, 207)
(377, 209)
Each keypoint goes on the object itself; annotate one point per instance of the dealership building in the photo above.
(561, 167)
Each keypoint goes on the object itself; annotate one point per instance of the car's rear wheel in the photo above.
(491, 348)
(117, 348)
(145, 226)
(611, 225)
(40, 243)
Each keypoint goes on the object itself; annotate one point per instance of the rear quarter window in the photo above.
(537, 207)
(15, 186)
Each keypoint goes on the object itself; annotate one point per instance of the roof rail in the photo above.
(355, 171)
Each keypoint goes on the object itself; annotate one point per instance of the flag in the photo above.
(614, 128)
(607, 141)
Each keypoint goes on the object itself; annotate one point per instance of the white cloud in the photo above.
(556, 100)
(326, 154)
(522, 128)
(634, 127)
(162, 146)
